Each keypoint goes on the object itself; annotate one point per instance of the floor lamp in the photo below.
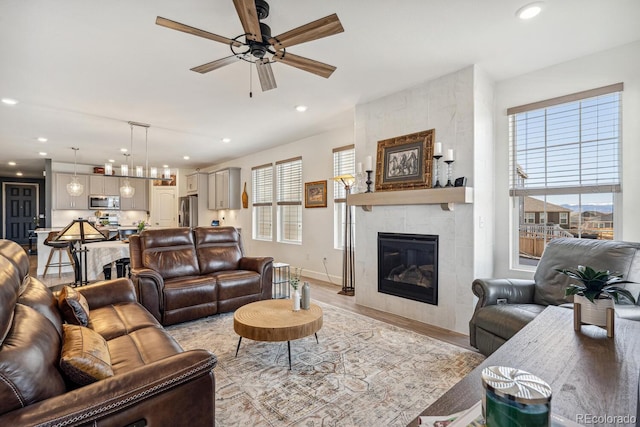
(348, 255)
(80, 231)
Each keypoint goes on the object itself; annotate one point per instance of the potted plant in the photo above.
(596, 292)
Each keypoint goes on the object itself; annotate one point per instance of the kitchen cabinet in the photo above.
(100, 185)
(140, 199)
(227, 189)
(63, 199)
(197, 184)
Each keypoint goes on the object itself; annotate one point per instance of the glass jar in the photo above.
(515, 398)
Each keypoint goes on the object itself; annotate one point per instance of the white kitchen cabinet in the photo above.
(100, 185)
(212, 191)
(140, 199)
(197, 184)
(227, 189)
(63, 199)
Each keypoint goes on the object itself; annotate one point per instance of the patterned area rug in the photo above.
(362, 373)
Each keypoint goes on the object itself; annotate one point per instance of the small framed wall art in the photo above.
(315, 194)
(404, 162)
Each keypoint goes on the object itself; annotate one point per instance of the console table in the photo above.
(589, 373)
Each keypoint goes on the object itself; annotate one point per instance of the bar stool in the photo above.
(59, 248)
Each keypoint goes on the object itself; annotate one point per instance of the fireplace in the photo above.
(408, 266)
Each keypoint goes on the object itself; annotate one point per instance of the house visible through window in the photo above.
(343, 164)
(289, 200)
(565, 169)
(262, 201)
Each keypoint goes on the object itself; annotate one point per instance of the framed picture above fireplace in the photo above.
(404, 162)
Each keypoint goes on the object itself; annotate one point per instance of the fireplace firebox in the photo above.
(408, 266)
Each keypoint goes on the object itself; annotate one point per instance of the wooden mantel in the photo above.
(445, 197)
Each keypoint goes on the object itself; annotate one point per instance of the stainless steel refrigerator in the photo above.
(188, 213)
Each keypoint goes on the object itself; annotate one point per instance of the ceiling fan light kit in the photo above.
(257, 43)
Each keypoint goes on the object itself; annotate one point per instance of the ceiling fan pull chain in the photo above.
(250, 82)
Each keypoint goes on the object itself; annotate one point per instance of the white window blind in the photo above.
(344, 162)
(289, 200)
(262, 201)
(567, 147)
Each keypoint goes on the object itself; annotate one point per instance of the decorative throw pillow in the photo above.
(85, 356)
(74, 306)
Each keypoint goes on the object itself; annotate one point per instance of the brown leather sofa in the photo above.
(182, 274)
(154, 381)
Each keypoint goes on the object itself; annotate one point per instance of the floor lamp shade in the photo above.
(80, 230)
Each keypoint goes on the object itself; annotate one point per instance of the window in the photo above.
(343, 164)
(529, 217)
(565, 165)
(289, 200)
(262, 201)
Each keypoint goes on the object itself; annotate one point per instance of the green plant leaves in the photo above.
(596, 284)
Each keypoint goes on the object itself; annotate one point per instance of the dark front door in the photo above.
(20, 202)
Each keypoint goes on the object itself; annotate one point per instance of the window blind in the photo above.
(262, 185)
(344, 160)
(289, 182)
(567, 148)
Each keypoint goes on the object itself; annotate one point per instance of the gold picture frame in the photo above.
(405, 162)
(315, 194)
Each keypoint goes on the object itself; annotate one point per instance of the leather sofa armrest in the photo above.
(108, 292)
(130, 392)
(149, 285)
(515, 291)
(264, 267)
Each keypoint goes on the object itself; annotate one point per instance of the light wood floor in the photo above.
(327, 293)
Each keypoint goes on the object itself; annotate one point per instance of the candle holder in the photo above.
(369, 182)
(449, 163)
(437, 170)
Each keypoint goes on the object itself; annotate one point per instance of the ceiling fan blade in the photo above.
(164, 22)
(327, 26)
(248, 15)
(265, 74)
(214, 65)
(305, 64)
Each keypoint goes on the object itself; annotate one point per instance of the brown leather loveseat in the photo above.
(183, 274)
(150, 379)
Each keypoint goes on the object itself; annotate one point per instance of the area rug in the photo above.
(363, 372)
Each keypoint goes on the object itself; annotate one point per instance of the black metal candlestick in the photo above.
(449, 183)
(368, 181)
(437, 171)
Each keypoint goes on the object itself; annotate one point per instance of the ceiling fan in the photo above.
(257, 43)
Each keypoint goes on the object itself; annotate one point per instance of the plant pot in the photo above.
(593, 313)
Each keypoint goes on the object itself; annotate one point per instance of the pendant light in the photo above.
(127, 191)
(75, 188)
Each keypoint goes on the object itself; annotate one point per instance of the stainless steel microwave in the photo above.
(104, 202)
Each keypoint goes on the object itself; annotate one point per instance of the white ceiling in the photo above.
(81, 69)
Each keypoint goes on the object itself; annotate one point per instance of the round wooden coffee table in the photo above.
(274, 320)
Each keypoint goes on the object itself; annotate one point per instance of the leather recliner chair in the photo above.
(506, 305)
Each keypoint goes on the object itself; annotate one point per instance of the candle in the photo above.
(154, 173)
(124, 170)
(108, 169)
(438, 149)
(367, 164)
(359, 170)
(449, 155)
(167, 173)
(139, 171)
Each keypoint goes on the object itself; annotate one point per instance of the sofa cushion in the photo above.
(115, 320)
(85, 356)
(39, 297)
(218, 248)
(16, 255)
(74, 306)
(189, 291)
(505, 320)
(10, 280)
(170, 252)
(568, 253)
(140, 348)
(237, 283)
(29, 359)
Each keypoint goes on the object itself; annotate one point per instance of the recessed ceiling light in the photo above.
(165, 166)
(301, 108)
(186, 157)
(124, 150)
(530, 10)
(19, 173)
(12, 163)
(42, 139)
(226, 140)
(42, 153)
(111, 161)
(9, 101)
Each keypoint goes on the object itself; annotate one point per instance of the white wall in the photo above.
(447, 105)
(616, 65)
(317, 223)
